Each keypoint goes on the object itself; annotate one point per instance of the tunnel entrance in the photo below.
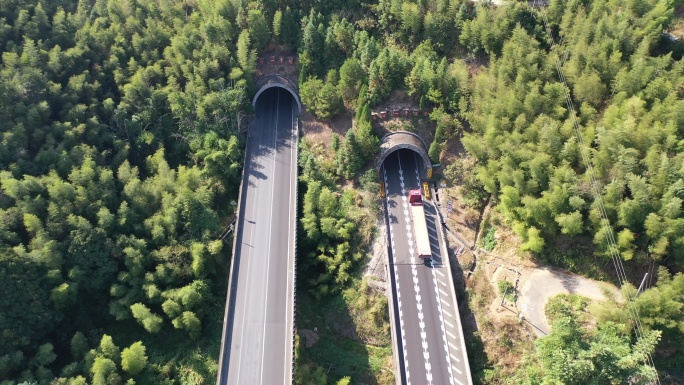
(277, 81)
(398, 140)
(271, 95)
(405, 158)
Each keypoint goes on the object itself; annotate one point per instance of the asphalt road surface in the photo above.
(431, 350)
(258, 340)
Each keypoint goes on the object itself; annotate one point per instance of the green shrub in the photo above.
(488, 240)
(506, 289)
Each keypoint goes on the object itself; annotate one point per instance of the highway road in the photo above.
(430, 334)
(258, 333)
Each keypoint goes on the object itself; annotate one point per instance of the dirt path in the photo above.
(542, 284)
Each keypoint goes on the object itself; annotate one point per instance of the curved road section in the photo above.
(430, 337)
(257, 340)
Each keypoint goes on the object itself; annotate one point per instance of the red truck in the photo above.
(419, 225)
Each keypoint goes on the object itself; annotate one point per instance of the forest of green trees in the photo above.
(120, 146)
(118, 151)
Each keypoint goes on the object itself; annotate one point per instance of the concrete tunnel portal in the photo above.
(398, 140)
(279, 81)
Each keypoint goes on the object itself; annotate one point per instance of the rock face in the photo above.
(310, 336)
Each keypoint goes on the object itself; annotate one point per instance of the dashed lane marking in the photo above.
(414, 271)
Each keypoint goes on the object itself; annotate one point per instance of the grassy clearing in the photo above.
(342, 356)
(499, 346)
(353, 331)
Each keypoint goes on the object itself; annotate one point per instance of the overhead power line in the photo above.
(613, 250)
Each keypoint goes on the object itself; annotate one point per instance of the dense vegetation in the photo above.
(119, 149)
(118, 152)
(624, 77)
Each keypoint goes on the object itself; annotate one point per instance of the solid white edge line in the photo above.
(270, 231)
(396, 281)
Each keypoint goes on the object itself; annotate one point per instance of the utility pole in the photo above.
(642, 283)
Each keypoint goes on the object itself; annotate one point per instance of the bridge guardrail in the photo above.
(294, 282)
(238, 227)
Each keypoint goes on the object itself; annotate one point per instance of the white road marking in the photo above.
(399, 303)
(414, 271)
(270, 231)
(441, 317)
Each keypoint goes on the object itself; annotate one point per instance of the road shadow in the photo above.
(273, 136)
(257, 174)
(231, 296)
(568, 281)
(432, 225)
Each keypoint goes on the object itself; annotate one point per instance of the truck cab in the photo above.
(415, 198)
